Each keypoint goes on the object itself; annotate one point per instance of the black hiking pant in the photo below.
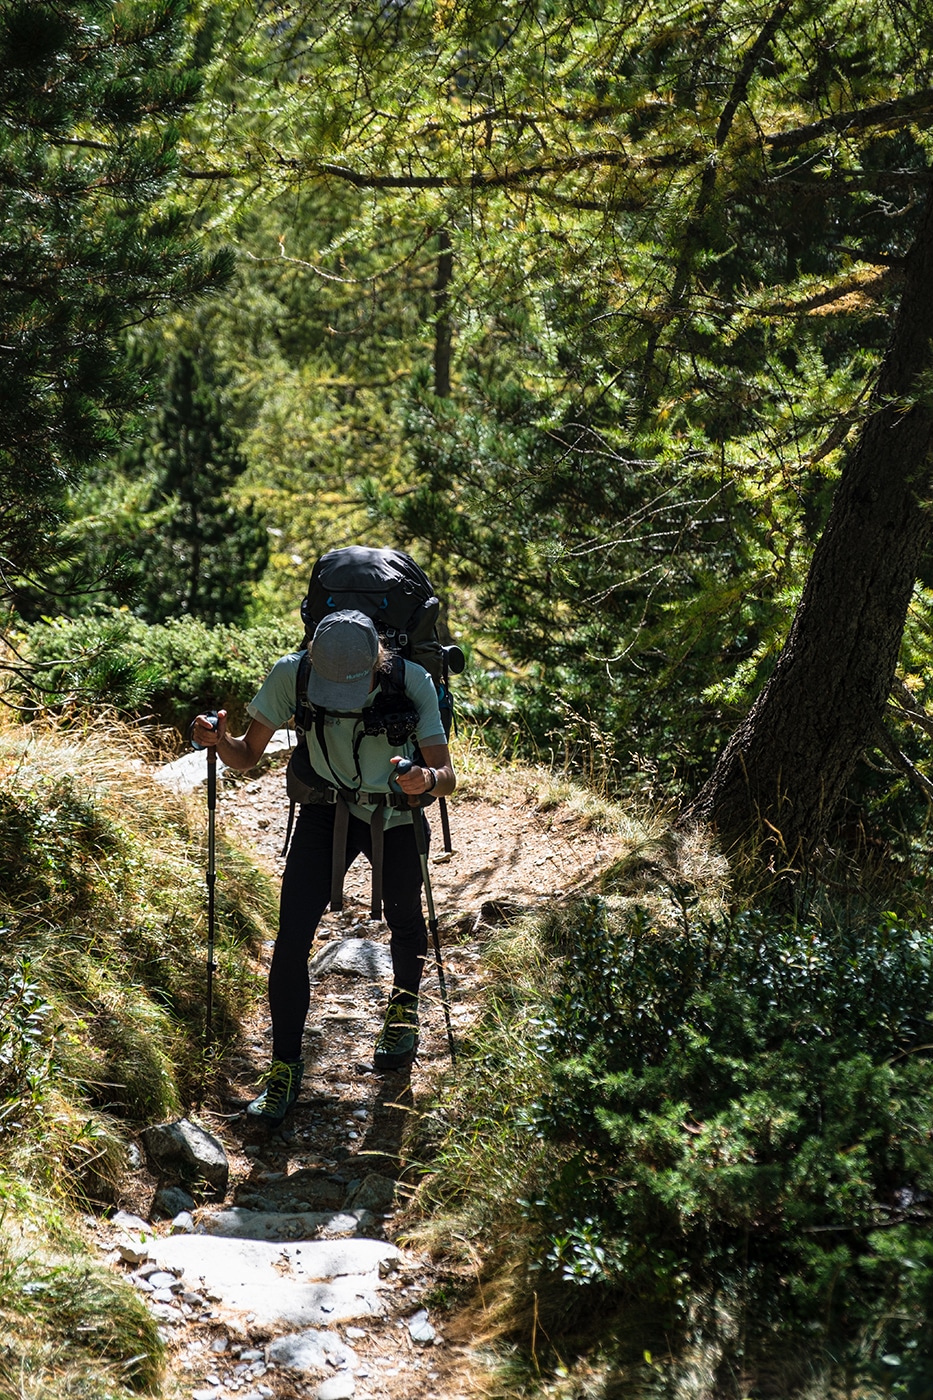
(305, 895)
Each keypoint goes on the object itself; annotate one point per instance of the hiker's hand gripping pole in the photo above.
(403, 766)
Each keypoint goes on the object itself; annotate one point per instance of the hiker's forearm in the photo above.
(245, 751)
(438, 758)
(235, 753)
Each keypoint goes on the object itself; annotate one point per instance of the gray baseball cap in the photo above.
(344, 651)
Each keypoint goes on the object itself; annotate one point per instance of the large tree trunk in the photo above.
(784, 770)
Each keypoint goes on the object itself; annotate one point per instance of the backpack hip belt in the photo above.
(329, 795)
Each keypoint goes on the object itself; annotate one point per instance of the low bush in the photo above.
(170, 671)
(729, 1149)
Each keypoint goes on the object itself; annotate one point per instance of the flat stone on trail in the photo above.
(311, 1351)
(312, 1284)
(356, 957)
(132, 1224)
(340, 1387)
(237, 1223)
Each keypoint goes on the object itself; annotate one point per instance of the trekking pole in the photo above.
(403, 766)
(211, 879)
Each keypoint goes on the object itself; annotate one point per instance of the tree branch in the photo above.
(893, 113)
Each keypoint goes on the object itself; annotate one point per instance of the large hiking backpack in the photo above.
(387, 586)
(390, 588)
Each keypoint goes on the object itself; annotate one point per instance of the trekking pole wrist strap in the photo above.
(433, 772)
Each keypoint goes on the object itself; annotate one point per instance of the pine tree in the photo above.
(92, 241)
(197, 553)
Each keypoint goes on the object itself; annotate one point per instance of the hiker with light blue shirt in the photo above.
(363, 710)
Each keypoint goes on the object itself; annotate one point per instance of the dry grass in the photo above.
(102, 978)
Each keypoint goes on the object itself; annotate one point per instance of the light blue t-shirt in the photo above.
(357, 761)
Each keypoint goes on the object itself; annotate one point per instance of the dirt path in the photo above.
(329, 1173)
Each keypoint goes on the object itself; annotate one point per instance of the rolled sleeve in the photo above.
(274, 703)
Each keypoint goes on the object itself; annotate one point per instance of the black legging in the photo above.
(306, 894)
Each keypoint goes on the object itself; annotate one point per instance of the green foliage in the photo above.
(671, 236)
(731, 1141)
(92, 239)
(173, 670)
(193, 552)
(24, 1055)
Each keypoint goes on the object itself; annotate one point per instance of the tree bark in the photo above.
(784, 770)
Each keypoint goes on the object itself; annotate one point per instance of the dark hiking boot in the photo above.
(283, 1080)
(398, 1040)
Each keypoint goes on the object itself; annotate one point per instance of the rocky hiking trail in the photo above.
(281, 1278)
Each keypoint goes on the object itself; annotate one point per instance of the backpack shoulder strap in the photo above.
(392, 682)
(303, 713)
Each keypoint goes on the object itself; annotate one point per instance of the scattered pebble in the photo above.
(420, 1329)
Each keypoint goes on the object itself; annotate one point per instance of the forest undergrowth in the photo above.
(688, 1149)
(102, 966)
(685, 1151)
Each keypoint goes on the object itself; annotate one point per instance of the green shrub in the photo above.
(729, 1148)
(24, 1055)
(739, 1113)
(102, 963)
(172, 670)
(69, 1327)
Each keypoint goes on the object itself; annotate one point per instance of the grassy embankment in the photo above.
(102, 968)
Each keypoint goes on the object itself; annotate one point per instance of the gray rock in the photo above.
(375, 1193)
(190, 771)
(238, 1223)
(420, 1329)
(337, 1388)
(183, 1223)
(169, 1202)
(311, 1351)
(132, 1224)
(132, 1252)
(355, 957)
(183, 1154)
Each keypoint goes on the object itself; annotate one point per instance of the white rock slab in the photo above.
(339, 1387)
(357, 957)
(313, 1284)
(190, 771)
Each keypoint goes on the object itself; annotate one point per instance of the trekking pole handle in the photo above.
(404, 765)
(211, 750)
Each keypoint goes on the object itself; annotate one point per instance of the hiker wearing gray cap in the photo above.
(350, 801)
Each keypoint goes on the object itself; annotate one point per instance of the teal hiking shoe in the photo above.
(283, 1080)
(398, 1040)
